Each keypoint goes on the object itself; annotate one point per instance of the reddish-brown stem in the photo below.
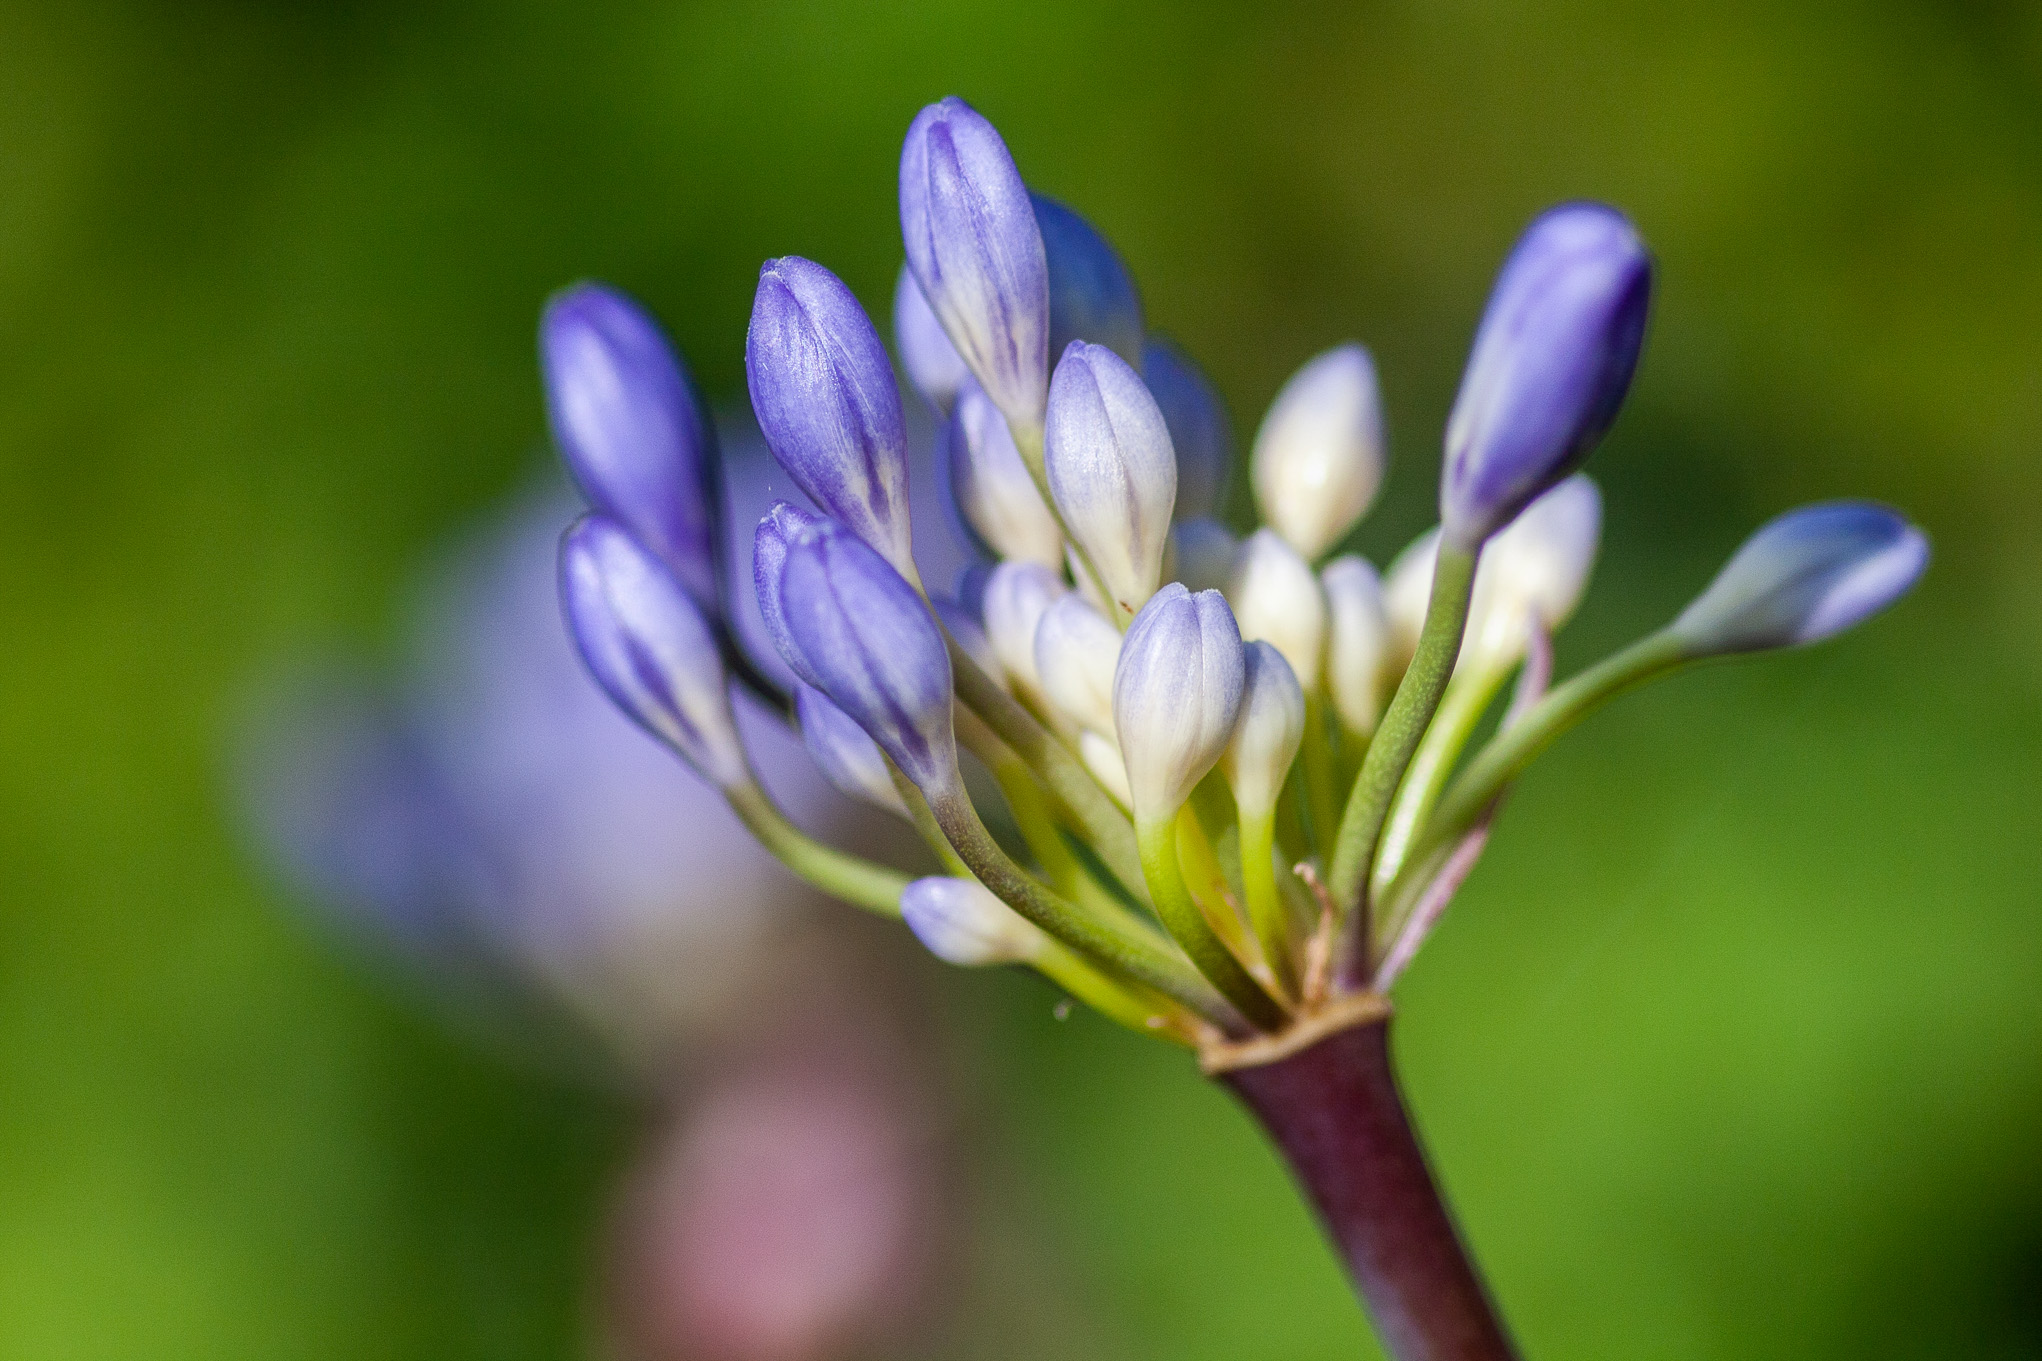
(1332, 1106)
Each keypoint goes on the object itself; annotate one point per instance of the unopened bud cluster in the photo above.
(1234, 754)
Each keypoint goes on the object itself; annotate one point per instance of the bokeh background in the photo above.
(1733, 1046)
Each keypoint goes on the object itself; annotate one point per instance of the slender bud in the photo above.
(1111, 470)
(963, 923)
(1176, 695)
(1267, 734)
(828, 404)
(931, 361)
(1551, 363)
(1805, 576)
(1535, 569)
(1076, 651)
(1276, 596)
(1357, 642)
(975, 249)
(779, 529)
(1091, 294)
(1017, 594)
(874, 650)
(848, 758)
(1405, 594)
(1101, 756)
(994, 492)
(631, 430)
(1202, 554)
(1200, 432)
(1318, 457)
(646, 643)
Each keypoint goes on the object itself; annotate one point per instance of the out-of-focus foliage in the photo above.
(1732, 1047)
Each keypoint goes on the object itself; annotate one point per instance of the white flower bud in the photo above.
(963, 923)
(1175, 697)
(1267, 734)
(1076, 652)
(1276, 596)
(994, 491)
(1318, 457)
(1102, 758)
(1406, 593)
(1202, 554)
(1357, 642)
(1536, 567)
(1017, 593)
(1111, 469)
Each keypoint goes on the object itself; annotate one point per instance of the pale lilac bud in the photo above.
(874, 649)
(646, 643)
(1276, 597)
(1200, 431)
(828, 404)
(1017, 594)
(994, 492)
(1805, 576)
(963, 923)
(1551, 363)
(846, 756)
(931, 361)
(1268, 733)
(631, 430)
(1318, 458)
(1176, 696)
(1076, 650)
(778, 529)
(975, 249)
(1111, 469)
(1091, 294)
(1202, 554)
(1536, 568)
(1357, 642)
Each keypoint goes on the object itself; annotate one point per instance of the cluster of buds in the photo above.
(1233, 770)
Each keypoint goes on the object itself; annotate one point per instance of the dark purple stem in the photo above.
(1333, 1107)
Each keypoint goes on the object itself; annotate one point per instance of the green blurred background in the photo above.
(1733, 1046)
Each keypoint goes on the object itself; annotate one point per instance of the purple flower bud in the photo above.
(632, 433)
(1176, 696)
(847, 758)
(994, 492)
(647, 645)
(1550, 366)
(974, 247)
(778, 530)
(828, 403)
(963, 923)
(1091, 294)
(1805, 576)
(1200, 432)
(1111, 469)
(932, 362)
(874, 649)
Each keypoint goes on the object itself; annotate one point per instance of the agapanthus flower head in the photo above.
(1269, 731)
(847, 757)
(828, 404)
(1076, 651)
(1357, 641)
(974, 246)
(632, 433)
(1091, 294)
(1551, 363)
(932, 363)
(1318, 458)
(1200, 431)
(1275, 596)
(996, 496)
(963, 923)
(1176, 695)
(1111, 470)
(873, 649)
(646, 643)
(1805, 576)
